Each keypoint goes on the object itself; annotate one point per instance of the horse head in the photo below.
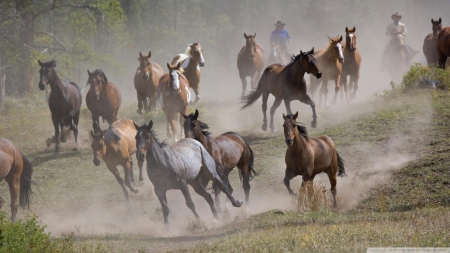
(350, 38)
(250, 45)
(196, 52)
(98, 146)
(191, 126)
(46, 73)
(437, 27)
(98, 81)
(145, 65)
(336, 47)
(175, 73)
(309, 63)
(143, 140)
(289, 126)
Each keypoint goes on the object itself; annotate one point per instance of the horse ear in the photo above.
(191, 45)
(245, 35)
(135, 125)
(89, 72)
(40, 63)
(196, 114)
(301, 52)
(53, 62)
(295, 116)
(340, 39)
(104, 78)
(346, 29)
(354, 29)
(168, 66)
(440, 20)
(312, 50)
(329, 38)
(149, 54)
(179, 65)
(140, 55)
(254, 36)
(150, 125)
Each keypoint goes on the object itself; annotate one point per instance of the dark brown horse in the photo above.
(443, 46)
(115, 146)
(103, 99)
(174, 96)
(430, 43)
(64, 102)
(285, 83)
(351, 65)
(308, 157)
(229, 150)
(16, 169)
(277, 55)
(146, 82)
(190, 62)
(250, 62)
(330, 62)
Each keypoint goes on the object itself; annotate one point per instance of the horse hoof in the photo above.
(314, 124)
(264, 127)
(141, 179)
(215, 220)
(134, 189)
(238, 203)
(273, 131)
(139, 111)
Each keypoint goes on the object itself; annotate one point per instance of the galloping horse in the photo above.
(330, 62)
(115, 146)
(146, 81)
(103, 99)
(430, 43)
(228, 150)
(190, 60)
(308, 157)
(443, 46)
(16, 169)
(250, 62)
(64, 102)
(174, 96)
(276, 55)
(285, 83)
(351, 65)
(184, 163)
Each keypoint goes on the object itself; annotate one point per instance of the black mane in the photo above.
(111, 136)
(100, 73)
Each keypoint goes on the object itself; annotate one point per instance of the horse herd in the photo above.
(199, 157)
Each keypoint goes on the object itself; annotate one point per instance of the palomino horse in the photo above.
(228, 150)
(115, 146)
(285, 83)
(64, 102)
(190, 60)
(146, 81)
(103, 99)
(250, 62)
(430, 43)
(174, 96)
(16, 169)
(351, 65)
(330, 62)
(184, 163)
(277, 55)
(443, 46)
(308, 157)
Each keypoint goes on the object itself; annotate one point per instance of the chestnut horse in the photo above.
(190, 60)
(229, 150)
(285, 83)
(430, 43)
(277, 55)
(443, 46)
(16, 169)
(64, 102)
(308, 157)
(174, 96)
(115, 146)
(330, 62)
(250, 62)
(146, 81)
(103, 99)
(351, 65)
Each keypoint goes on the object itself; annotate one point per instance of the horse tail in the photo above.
(251, 98)
(25, 193)
(340, 161)
(217, 170)
(250, 163)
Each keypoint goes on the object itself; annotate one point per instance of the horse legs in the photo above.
(115, 172)
(14, 183)
(323, 91)
(442, 59)
(95, 123)
(128, 169)
(140, 165)
(200, 190)
(287, 178)
(213, 176)
(74, 128)
(336, 89)
(57, 133)
(244, 84)
(274, 107)
(307, 100)
(171, 126)
(332, 177)
(196, 89)
(146, 101)
(161, 194)
(187, 196)
(141, 103)
(152, 103)
(245, 181)
(287, 103)
(354, 79)
(254, 82)
(181, 120)
(265, 96)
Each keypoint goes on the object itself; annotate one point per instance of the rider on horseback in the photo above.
(280, 36)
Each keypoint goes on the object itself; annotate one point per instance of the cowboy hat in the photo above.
(279, 23)
(396, 15)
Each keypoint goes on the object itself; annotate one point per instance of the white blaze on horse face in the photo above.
(351, 40)
(341, 56)
(175, 78)
(202, 61)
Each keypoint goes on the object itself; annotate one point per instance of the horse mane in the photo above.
(329, 50)
(294, 58)
(111, 136)
(301, 128)
(100, 73)
(153, 133)
(187, 52)
(203, 126)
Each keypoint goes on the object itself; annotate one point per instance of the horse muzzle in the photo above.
(289, 142)
(201, 64)
(140, 156)
(341, 60)
(97, 97)
(318, 75)
(176, 91)
(96, 162)
(41, 86)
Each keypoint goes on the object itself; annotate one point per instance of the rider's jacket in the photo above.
(400, 27)
(280, 37)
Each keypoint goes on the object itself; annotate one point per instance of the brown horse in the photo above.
(351, 65)
(443, 46)
(115, 146)
(103, 99)
(190, 60)
(229, 150)
(250, 62)
(174, 96)
(430, 43)
(308, 157)
(16, 169)
(64, 102)
(330, 62)
(285, 83)
(277, 55)
(146, 81)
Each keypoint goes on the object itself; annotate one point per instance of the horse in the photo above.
(397, 63)
(229, 150)
(146, 82)
(430, 43)
(351, 65)
(115, 146)
(184, 163)
(330, 62)
(16, 169)
(103, 99)
(174, 96)
(308, 157)
(64, 102)
(285, 83)
(250, 62)
(190, 62)
(443, 46)
(277, 55)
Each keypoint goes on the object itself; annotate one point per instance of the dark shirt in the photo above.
(280, 37)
